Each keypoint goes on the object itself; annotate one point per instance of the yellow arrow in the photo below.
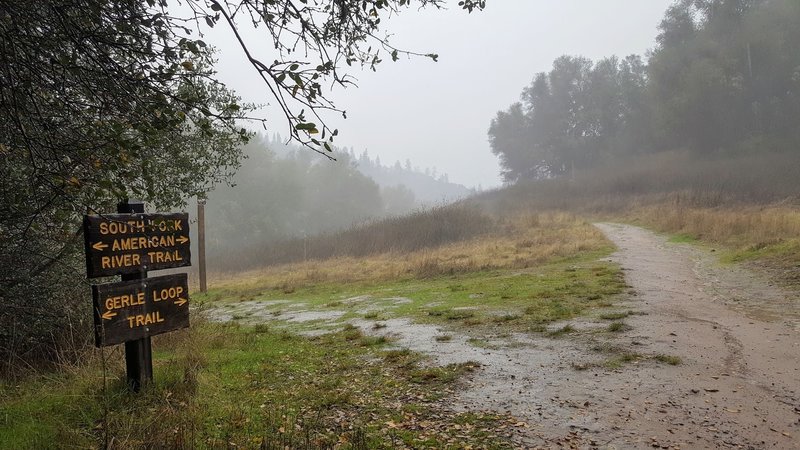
(181, 301)
(99, 246)
(108, 315)
(182, 239)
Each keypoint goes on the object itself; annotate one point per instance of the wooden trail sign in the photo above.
(131, 243)
(137, 309)
(119, 244)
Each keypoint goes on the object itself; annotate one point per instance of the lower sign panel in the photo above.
(131, 310)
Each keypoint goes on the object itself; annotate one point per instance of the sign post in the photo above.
(129, 244)
(201, 243)
(139, 352)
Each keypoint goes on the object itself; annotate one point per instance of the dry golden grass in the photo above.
(736, 227)
(666, 179)
(747, 204)
(518, 242)
(768, 236)
(427, 228)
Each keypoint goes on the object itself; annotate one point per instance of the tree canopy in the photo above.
(724, 77)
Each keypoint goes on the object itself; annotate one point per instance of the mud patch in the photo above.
(310, 316)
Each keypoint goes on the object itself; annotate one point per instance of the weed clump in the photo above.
(506, 318)
(668, 359)
(538, 328)
(566, 329)
(371, 341)
(459, 314)
(622, 359)
(616, 327)
(396, 355)
(442, 375)
(351, 332)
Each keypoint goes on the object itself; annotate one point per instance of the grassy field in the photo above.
(253, 383)
(515, 300)
(535, 270)
(225, 386)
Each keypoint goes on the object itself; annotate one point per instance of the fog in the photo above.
(437, 114)
(622, 97)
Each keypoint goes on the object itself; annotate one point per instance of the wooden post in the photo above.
(138, 353)
(201, 243)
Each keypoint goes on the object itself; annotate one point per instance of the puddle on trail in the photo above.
(255, 311)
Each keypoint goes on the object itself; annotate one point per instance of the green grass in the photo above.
(616, 327)
(230, 386)
(619, 360)
(36, 414)
(786, 252)
(682, 238)
(518, 299)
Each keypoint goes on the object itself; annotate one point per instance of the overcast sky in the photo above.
(437, 114)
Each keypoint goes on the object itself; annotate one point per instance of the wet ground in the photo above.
(737, 338)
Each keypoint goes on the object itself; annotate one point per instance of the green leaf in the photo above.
(306, 126)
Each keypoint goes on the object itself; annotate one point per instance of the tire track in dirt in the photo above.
(737, 386)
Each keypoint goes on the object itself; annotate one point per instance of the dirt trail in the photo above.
(739, 381)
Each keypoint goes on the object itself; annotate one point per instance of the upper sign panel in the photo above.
(131, 243)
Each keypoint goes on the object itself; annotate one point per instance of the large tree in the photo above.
(724, 76)
(575, 116)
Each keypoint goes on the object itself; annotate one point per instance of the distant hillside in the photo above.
(428, 186)
(285, 191)
(398, 180)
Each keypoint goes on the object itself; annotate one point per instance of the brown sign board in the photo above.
(137, 309)
(119, 244)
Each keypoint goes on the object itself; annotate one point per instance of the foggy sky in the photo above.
(437, 114)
